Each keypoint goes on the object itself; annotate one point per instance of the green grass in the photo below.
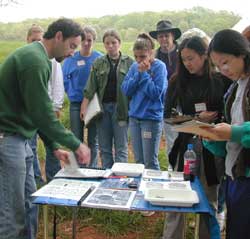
(109, 223)
(6, 47)
(9, 46)
(126, 48)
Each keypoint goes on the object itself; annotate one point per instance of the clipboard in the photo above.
(93, 110)
(195, 127)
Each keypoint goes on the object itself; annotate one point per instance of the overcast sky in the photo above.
(97, 8)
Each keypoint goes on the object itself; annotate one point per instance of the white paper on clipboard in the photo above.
(93, 109)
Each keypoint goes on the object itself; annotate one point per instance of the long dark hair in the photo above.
(182, 76)
(231, 42)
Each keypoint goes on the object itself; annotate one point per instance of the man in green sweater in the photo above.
(25, 108)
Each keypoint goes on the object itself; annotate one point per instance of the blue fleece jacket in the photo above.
(146, 91)
(76, 70)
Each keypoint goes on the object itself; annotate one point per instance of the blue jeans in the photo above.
(52, 165)
(36, 163)
(145, 138)
(238, 209)
(77, 127)
(18, 216)
(112, 132)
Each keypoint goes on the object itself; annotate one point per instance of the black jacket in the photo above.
(198, 90)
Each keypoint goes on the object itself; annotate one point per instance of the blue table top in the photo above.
(140, 204)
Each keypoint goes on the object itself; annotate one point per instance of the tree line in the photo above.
(131, 24)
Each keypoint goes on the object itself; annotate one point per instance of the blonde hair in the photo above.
(144, 42)
(34, 29)
(89, 29)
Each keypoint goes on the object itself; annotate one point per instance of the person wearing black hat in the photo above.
(167, 35)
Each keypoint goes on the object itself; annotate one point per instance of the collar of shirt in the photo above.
(43, 47)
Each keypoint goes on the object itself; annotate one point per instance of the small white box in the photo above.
(128, 169)
(171, 197)
(155, 174)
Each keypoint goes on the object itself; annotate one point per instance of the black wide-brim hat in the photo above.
(165, 26)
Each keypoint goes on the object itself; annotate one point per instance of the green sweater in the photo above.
(240, 134)
(25, 106)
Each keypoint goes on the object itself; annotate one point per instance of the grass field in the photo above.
(6, 47)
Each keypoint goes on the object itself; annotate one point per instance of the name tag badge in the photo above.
(122, 123)
(199, 107)
(147, 135)
(81, 63)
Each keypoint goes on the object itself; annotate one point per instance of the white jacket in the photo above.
(55, 85)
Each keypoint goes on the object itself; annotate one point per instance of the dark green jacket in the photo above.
(99, 78)
(25, 106)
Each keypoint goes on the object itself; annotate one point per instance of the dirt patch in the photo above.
(91, 233)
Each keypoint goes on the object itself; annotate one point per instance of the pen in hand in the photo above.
(85, 195)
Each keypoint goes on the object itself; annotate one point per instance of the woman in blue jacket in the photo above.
(76, 71)
(146, 85)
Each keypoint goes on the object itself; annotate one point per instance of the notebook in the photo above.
(93, 110)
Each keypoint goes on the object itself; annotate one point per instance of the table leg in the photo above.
(45, 222)
(74, 217)
(185, 223)
(197, 226)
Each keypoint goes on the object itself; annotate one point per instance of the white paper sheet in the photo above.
(83, 173)
(73, 164)
(93, 109)
(65, 189)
